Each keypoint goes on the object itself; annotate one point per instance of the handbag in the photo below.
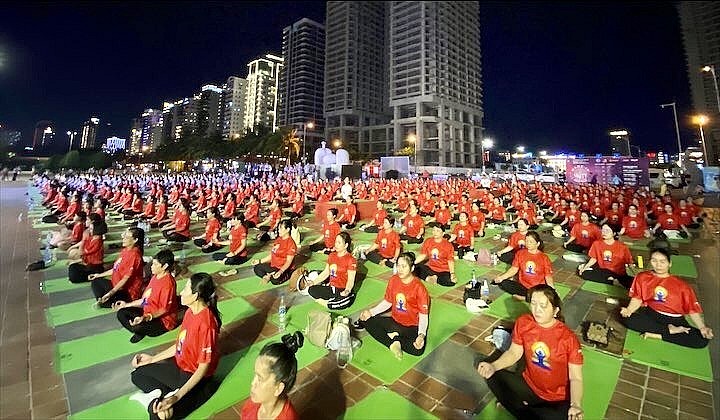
(483, 257)
(318, 326)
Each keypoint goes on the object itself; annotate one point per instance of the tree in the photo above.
(291, 141)
(406, 151)
(71, 160)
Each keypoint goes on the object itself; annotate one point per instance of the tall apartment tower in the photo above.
(300, 92)
(44, 135)
(151, 130)
(262, 87)
(356, 106)
(136, 128)
(700, 23)
(88, 133)
(233, 108)
(435, 80)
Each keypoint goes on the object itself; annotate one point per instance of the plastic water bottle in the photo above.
(473, 282)
(146, 243)
(48, 238)
(282, 313)
(47, 257)
(485, 290)
(494, 259)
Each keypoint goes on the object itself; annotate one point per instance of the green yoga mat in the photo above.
(385, 404)
(683, 265)
(249, 286)
(463, 270)
(604, 289)
(492, 412)
(600, 374)
(71, 312)
(61, 284)
(667, 356)
(506, 307)
(210, 267)
(377, 360)
(370, 293)
(76, 354)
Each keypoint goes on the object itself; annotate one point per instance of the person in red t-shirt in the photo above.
(405, 330)
(276, 267)
(463, 236)
(275, 370)
(440, 256)
(413, 228)
(611, 256)
(237, 254)
(155, 313)
(176, 388)
(179, 229)
(210, 240)
(161, 214)
(126, 274)
(339, 272)
(634, 224)
(532, 266)
(270, 224)
(330, 229)
(90, 250)
(252, 211)
(387, 247)
(442, 215)
(476, 219)
(659, 302)
(671, 221)
(551, 385)
(376, 223)
(582, 235)
(515, 243)
(348, 217)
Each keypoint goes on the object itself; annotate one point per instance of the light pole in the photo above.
(71, 135)
(412, 138)
(485, 144)
(307, 125)
(701, 120)
(711, 69)
(677, 128)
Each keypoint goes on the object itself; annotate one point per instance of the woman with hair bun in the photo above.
(275, 373)
(176, 388)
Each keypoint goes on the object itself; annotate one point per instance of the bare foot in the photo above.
(392, 335)
(431, 279)
(678, 330)
(396, 350)
(651, 335)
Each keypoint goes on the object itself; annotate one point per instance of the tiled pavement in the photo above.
(31, 387)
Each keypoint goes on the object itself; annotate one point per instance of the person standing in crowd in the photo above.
(406, 328)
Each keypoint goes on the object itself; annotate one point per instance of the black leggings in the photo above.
(201, 243)
(372, 229)
(78, 272)
(513, 287)
(507, 257)
(601, 275)
(513, 393)
(173, 236)
(320, 246)
(410, 239)
(648, 320)
(151, 328)
(234, 260)
(264, 268)
(167, 377)
(461, 250)
(375, 257)
(443, 278)
(102, 286)
(348, 225)
(380, 326)
(51, 218)
(332, 294)
(574, 247)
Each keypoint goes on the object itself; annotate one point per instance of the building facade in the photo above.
(261, 97)
(44, 135)
(700, 22)
(233, 108)
(300, 90)
(88, 134)
(135, 135)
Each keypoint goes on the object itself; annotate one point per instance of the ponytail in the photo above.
(203, 285)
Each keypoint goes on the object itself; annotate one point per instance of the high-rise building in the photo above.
(620, 142)
(88, 134)
(700, 21)
(435, 80)
(136, 129)
(261, 97)
(356, 104)
(233, 108)
(44, 135)
(209, 110)
(151, 131)
(300, 92)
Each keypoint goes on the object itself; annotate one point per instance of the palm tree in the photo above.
(291, 141)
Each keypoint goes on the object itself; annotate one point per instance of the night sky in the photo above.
(555, 76)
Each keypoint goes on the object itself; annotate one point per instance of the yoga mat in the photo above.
(377, 360)
(210, 267)
(463, 270)
(492, 412)
(70, 312)
(600, 376)
(249, 286)
(683, 265)
(669, 357)
(604, 289)
(385, 404)
(370, 293)
(506, 307)
(60, 285)
(77, 354)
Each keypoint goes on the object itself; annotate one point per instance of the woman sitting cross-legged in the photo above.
(611, 257)
(178, 380)
(515, 243)
(275, 268)
(440, 256)
(210, 240)
(126, 275)
(237, 254)
(179, 229)
(532, 266)
(386, 248)
(582, 235)
(155, 313)
(406, 327)
(90, 250)
(551, 384)
(463, 236)
(376, 223)
(339, 272)
(659, 302)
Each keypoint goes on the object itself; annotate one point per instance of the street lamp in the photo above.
(701, 120)
(71, 136)
(711, 69)
(485, 144)
(677, 128)
(337, 143)
(520, 149)
(307, 125)
(412, 138)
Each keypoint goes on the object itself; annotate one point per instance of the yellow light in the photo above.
(706, 68)
(337, 143)
(310, 125)
(700, 119)
(412, 138)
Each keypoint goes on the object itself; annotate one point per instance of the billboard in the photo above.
(632, 172)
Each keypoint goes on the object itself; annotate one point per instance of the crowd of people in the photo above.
(594, 221)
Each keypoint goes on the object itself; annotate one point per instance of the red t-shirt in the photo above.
(669, 221)
(250, 411)
(476, 220)
(685, 216)
(669, 295)
(635, 227)
(517, 240)
(548, 351)
(282, 248)
(149, 209)
(349, 212)
(339, 267)
(497, 213)
(211, 229)
(439, 254)
(442, 216)
(252, 213)
(330, 232)
(413, 225)
(532, 268)
(573, 216)
(611, 257)
(585, 235)
(93, 251)
(408, 300)
(161, 295)
(237, 234)
(182, 223)
(161, 212)
(388, 243)
(463, 234)
(379, 217)
(130, 263)
(197, 342)
(298, 206)
(77, 232)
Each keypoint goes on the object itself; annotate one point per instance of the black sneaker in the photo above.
(136, 338)
(359, 325)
